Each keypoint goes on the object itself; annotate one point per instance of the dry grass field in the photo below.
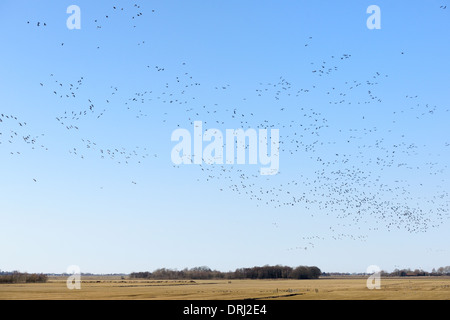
(115, 288)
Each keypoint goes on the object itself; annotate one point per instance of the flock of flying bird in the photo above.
(355, 174)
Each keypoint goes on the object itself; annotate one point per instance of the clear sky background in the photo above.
(86, 173)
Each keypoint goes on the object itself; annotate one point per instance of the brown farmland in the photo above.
(105, 288)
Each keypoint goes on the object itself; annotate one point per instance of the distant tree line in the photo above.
(19, 277)
(441, 271)
(205, 273)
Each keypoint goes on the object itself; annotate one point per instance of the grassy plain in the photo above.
(115, 288)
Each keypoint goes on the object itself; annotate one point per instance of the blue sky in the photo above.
(363, 127)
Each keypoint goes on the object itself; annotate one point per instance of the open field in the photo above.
(105, 288)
